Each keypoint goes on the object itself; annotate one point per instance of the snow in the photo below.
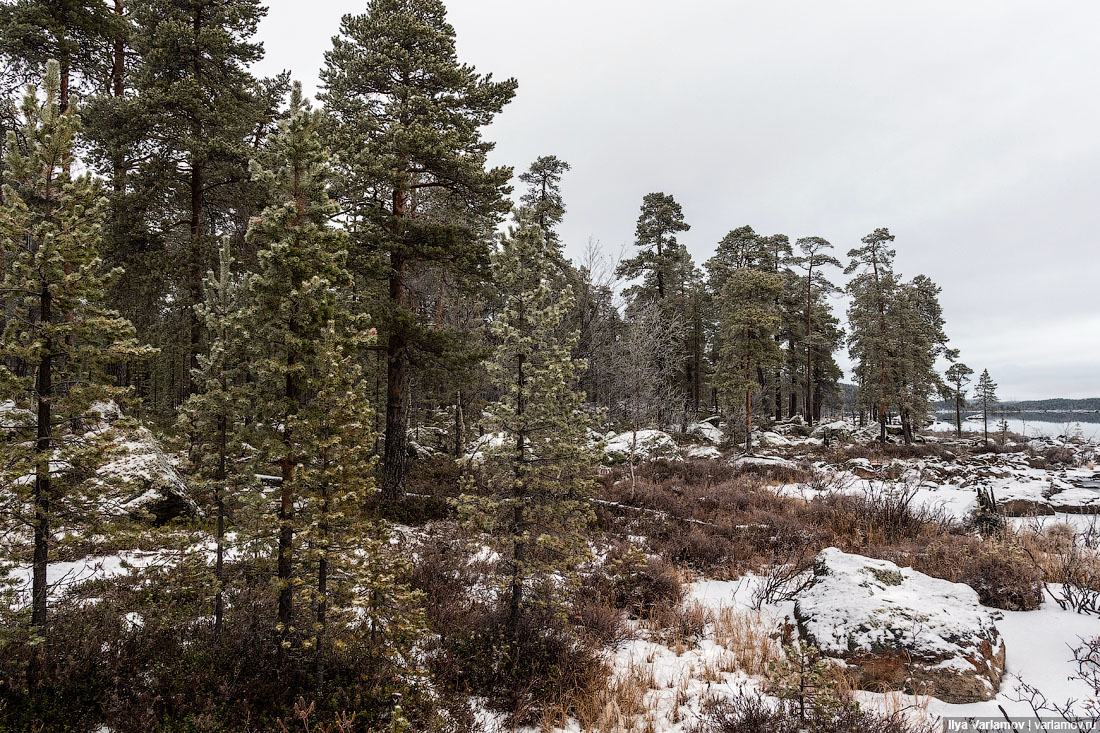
(649, 445)
(708, 452)
(762, 461)
(61, 576)
(860, 603)
(706, 431)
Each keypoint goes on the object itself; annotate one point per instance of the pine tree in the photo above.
(812, 261)
(958, 375)
(292, 299)
(740, 248)
(214, 417)
(987, 396)
(916, 327)
(202, 108)
(748, 322)
(355, 591)
(868, 341)
(543, 198)
(658, 250)
(408, 117)
(76, 33)
(540, 479)
(58, 339)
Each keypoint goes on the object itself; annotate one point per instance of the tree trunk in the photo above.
(748, 421)
(42, 488)
(460, 426)
(395, 459)
(286, 503)
(194, 283)
(322, 596)
(958, 413)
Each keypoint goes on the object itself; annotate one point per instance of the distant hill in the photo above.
(1056, 404)
(1053, 404)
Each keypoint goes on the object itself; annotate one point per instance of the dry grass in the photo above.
(749, 637)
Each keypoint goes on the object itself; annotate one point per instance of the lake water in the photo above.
(1031, 424)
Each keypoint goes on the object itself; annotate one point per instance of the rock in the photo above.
(708, 452)
(649, 446)
(1025, 507)
(1076, 501)
(861, 467)
(142, 480)
(769, 438)
(429, 441)
(1023, 499)
(707, 432)
(836, 430)
(762, 462)
(898, 629)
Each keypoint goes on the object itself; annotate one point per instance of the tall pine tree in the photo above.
(408, 117)
(292, 299)
(58, 337)
(540, 477)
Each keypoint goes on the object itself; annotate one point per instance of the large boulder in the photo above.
(707, 432)
(142, 479)
(897, 629)
(708, 452)
(647, 445)
(1082, 500)
(835, 430)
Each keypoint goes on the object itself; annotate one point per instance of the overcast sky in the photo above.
(970, 129)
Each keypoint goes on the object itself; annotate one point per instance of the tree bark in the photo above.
(395, 458)
(42, 485)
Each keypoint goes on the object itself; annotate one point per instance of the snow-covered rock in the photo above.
(707, 432)
(762, 462)
(769, 438)
(482, 443)
(708, 452)
(650, 445)
(425, 441)
(897, 628)
(861, 467)
(836, 430)
(1083, 500)
(142, 479)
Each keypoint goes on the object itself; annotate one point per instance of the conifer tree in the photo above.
(739, 249)
(202, 106)
(58, 337)
(355, 592)
(918, 340)
(746, 338)
(75, 33)
(661, 218)
(540, 478)
(292, 299)
(543, 198)
(868, 340)
(812, 261)
(958, 374)
(214, 417)
(408, 118)
(987, 396)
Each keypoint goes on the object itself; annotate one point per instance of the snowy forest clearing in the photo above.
(309, 421)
